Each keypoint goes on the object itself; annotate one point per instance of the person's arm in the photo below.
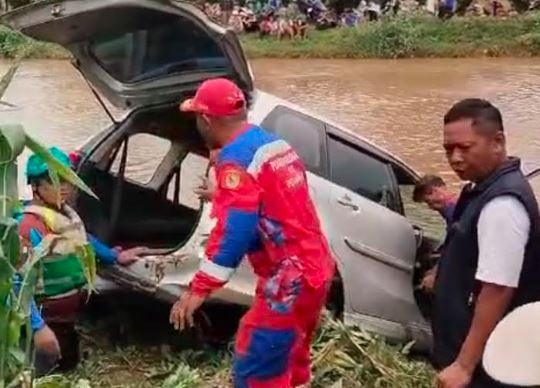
(109, 256)
(236, 205)
(36, 320)
(492, 303)
(503, 232)
(428, 282)
(104, 254)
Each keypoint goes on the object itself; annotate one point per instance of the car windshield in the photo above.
(168, 46)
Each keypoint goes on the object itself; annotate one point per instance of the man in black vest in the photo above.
(491, 256)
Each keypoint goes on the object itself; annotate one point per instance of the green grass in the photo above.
(411, 37)
(17, 46)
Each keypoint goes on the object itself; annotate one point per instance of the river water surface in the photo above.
(397, 104)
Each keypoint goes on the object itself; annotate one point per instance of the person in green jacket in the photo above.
(49, 223)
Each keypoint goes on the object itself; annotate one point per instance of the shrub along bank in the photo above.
(15, 45)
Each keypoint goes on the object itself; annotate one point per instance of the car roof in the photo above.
(265, 102)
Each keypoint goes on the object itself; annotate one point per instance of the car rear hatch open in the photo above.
(137, 52)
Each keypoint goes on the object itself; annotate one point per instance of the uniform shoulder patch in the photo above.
(231, 178)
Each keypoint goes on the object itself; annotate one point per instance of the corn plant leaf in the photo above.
(407, 348)
(10, 243)
(88, 258)
(82, 383)
(53, 381)
(12, 141)
(57, 168)
(26, 291)
(6, 79)
(56, 182)
(361, 359)
(17, 354)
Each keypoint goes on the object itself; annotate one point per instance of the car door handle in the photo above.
(379, 256)
(346, 201)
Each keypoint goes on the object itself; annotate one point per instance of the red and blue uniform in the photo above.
(264, 210)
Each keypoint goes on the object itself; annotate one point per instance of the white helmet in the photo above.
(512, 354)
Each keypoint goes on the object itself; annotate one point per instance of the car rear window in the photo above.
(170, 45)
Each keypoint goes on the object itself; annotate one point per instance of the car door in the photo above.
(534, 179)
(374, 243)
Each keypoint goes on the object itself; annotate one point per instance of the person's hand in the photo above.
(129, 256)
(428, 282)
(205, 191)
(182, 311)
(45, 340)
(454, 376)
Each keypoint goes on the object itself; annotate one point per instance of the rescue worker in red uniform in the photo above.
(263, 209)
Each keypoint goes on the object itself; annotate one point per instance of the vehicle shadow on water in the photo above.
(126, 340)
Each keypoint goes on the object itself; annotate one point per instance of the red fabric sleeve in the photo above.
(29, 222)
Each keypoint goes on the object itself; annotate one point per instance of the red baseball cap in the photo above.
(216, 97)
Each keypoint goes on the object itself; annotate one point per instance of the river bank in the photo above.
(408, 36)
(412, 37)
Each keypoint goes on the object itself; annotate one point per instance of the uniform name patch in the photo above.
(284, 160)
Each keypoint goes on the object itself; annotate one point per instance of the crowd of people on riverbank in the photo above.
(292, 20)
(275, 18)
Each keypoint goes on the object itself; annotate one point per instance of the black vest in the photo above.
(456, 288)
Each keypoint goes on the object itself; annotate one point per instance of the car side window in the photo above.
(192, 168)
(419, 214)
(145, 153)
(305, 134)
(358, 171)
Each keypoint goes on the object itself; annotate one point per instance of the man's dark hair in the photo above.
(36, 180)
(485, 117)
(425, 185)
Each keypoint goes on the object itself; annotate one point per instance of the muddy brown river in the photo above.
(397, 104)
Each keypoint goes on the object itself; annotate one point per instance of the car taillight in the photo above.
(75, 158)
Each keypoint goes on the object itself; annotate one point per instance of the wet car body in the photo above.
(144, 56)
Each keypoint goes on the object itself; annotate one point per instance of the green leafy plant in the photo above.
(15, 359)
(350, 357)
(183, 377)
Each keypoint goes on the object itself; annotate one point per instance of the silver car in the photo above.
(141, 57)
